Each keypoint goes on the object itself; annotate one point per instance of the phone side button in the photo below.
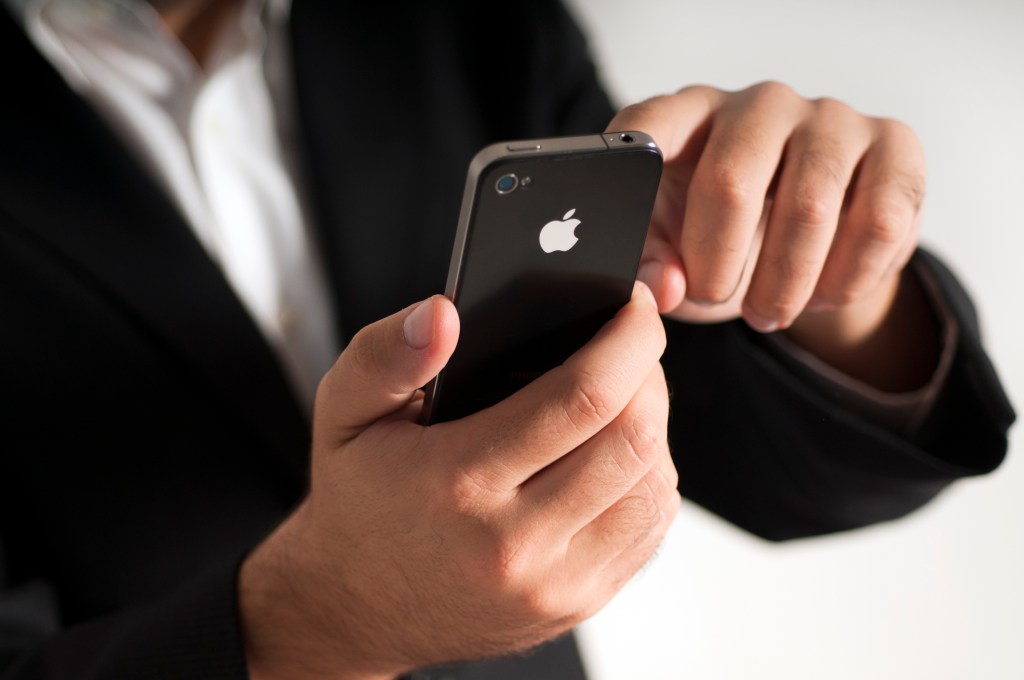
(524, 147)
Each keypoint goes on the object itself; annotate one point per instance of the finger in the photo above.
(727, 194)
(662, 271)
(567, 405)
(820, 160)
(679, 122)
(623, 538)
(631, 560)
(880, 225)
(908, 249)
(567, 495)
(383, 366)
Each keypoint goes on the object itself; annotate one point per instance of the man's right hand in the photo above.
(478, 537)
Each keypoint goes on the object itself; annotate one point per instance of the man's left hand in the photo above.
(794, 214)
(772, 204)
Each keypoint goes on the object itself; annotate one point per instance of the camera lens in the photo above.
(506, 184)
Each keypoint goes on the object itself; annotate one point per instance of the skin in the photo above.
(796, 215)
(482, 536)
(196, 23)
(418, 545)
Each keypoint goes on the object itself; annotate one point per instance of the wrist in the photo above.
(292, 625)
(889, 339)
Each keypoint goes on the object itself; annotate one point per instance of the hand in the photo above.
(772, 204)
(419, 545)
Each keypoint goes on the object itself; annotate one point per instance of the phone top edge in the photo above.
(630, 140)
(553, 146)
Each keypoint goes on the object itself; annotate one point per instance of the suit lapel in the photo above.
(69, 184)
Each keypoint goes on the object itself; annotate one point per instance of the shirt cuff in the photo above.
(898, 412)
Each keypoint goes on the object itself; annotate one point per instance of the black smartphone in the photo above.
(547, 248)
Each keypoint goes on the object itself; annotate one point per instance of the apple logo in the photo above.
(559, 234)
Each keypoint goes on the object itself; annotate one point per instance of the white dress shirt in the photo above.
(212, 137)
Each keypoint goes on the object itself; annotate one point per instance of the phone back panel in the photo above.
(523, 311)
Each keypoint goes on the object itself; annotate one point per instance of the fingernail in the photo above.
(645, 292)
(760, 323)
(819, 304)
(701, 303)
(419, 325)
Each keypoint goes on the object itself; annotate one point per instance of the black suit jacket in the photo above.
(149, 435)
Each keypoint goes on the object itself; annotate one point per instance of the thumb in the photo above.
(383, 366)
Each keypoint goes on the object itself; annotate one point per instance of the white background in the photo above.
(940, 594)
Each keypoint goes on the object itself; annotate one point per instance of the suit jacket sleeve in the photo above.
(763, 448)
(192, 632)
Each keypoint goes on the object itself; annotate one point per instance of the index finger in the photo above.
(678, 122)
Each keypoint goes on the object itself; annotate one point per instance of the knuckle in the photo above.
(700, 89)
(891, 128)
(773, 90)
(831, 107)
(635, 453)
(641, 110)
(809, 209)
(465, 491)
(845, 295)
(366, 353)
(782, 307)
(715, 288)
(910, 179)
(910, 186)
(506, 567)
(542, 603)
(641, 438)
(728, 187)
(468, 492)
(842, 293)
(513, 575)
(638, 514)
(590, 400)
(886, 224)
(782, 295)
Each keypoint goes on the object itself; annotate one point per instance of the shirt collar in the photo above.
(20, 8)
